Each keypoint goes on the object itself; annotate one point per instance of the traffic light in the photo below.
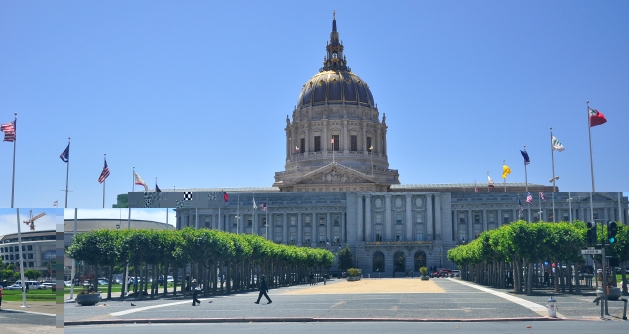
(591, 235)
(612, 229)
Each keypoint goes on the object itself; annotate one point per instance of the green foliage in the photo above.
(345, 258)
(423, 271)
(32, 274)
(353, 272)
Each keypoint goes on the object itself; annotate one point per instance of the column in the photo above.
(376, 146)
(325, 139)
(271, 227)
(307, 137)
(388, 233)
(470, 230)
(409, 218)
(515, 215)
(359, 220)
(328, 225)
(364, 135)
(368, 222)
(313, 230)
(345, 139)
(484, 220)
(499, 221)
(285, 229)
(342, 221)
(428, 221)
(438, 228)
(254, 223)
(300, 230)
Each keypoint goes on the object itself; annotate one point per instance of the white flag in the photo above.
(139, 181)
(254, 204)
(556, 144)
(490, 182)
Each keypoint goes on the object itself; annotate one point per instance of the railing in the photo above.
(388, 243)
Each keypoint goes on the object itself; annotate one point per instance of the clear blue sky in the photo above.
(196, 93)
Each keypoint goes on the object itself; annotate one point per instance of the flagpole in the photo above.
(505, 179)
(19, 238)
(104, 181)
(238, 213)
(73, 262)
(526, 176)
(67, 172)
(13, 179)
(126, 283)
(371, 153)
(266, 226)
(487, 181)
(552, 154)
(591, 161)
(540, 207)
(332, 149)
(253, 214)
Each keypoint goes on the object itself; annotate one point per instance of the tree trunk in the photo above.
(529, 279)
(623, 271)
(569, 266)
(110, 278)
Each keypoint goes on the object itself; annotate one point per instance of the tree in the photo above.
(32, 274)
(345, 258)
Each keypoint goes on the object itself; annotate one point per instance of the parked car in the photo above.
(67, 283)
(456, 273)
(33, 285)
(14, 287)
(48, 284)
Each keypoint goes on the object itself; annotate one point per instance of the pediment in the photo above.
(335, 174)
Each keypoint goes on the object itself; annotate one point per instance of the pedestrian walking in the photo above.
(263, 290)
(311, 278)
(195, 293)
(325, 279)
(0, 297)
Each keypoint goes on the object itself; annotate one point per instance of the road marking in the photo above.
(537, 308)
(140, 309)
(339, 304)
(29, 312)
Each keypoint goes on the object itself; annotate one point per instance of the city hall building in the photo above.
(338, 189)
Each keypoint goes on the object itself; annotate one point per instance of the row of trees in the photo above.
(11, 273)
(211, 255)
(496, 253)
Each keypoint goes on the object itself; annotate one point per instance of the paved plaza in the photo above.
(405, 299)
(38, 318)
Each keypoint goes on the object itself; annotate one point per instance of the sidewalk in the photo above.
(37, 307)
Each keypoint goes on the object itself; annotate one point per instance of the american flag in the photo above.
(263, 206)
(520, 206)
(529, 199)
(225, 197)
(296, 149)
(104, 174)
(541, 195)
(332, 141)
(9, 131)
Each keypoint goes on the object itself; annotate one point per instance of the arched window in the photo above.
(399, 262)
(334, 55)
(420, 260)
(378, 262)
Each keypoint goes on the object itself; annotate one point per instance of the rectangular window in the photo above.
(293, 237)
(263, 222)
(353, 143)
(337, 221)
(208, 222)
(307, 220)
(307, 237)
(337, 237)
(249, 221)
(506, 218)
(378, 218)
(566, 216)
(321, 237)
(398, 218)
(368, 144)
(419, 217)
(278, 239)
(398, 235)
(302, 145)
(317, 143)
(11, 256)
(462, 217)
(30, 247)
(293, 220)
(278, 220)
(321, 221)
(378, 235)
(30, 256)
(336, 142)
(491, 218)
(476, 218)
(235, 220)
(419, 236)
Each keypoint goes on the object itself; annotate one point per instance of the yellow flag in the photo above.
(505, 171)
(371, 147)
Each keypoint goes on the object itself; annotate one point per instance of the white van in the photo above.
(33, 285)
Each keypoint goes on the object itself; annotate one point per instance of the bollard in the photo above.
(552, 307)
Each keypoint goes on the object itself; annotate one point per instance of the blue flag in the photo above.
(520, 206)
(65, 155)
(526, 157)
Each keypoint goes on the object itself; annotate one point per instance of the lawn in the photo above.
(114, 288)
(31, 295)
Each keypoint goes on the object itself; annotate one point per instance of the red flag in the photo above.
(225, 197)
(596, 118)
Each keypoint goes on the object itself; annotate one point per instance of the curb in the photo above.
(296, 319)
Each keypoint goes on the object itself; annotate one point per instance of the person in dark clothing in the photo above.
(195, 293)
(263, 290)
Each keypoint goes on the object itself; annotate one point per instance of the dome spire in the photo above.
(334, 60)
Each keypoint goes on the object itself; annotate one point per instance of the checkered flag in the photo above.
(187, 196)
